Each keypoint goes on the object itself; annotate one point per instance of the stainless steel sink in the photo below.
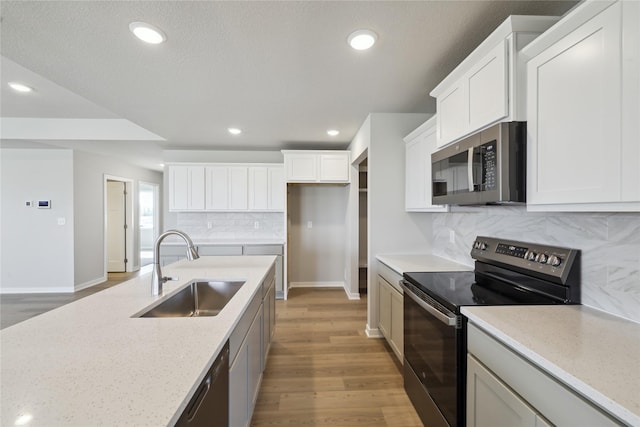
(198, 298)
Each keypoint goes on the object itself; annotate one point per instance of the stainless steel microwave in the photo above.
(487, 167)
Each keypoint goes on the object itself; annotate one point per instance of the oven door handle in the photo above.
(447, 320)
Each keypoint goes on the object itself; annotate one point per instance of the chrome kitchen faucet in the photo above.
(157, 280)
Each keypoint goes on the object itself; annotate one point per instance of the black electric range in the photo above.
(506, 273)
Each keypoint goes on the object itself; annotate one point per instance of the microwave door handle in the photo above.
(470, 168)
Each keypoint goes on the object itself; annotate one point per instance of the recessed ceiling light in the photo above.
(19, 87)
(234, 131)
(147, 32)
(333, 132)
(362, 39)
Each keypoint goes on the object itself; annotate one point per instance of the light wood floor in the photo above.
(15, 308)
(322, 370)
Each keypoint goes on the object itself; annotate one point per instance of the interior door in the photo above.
(116, 227)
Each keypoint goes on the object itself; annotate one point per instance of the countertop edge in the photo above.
(575, 384)
(402, 263)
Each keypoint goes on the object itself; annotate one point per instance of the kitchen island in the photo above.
(91, 363)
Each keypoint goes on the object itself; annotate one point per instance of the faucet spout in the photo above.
(157, 280)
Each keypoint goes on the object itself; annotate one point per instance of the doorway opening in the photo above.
(119, 220)
(148, 206)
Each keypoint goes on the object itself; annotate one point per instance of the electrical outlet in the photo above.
(209, 225)
(256, 225)
(452, 236)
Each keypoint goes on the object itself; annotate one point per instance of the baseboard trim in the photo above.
(373, 332)
(352, 295)
(90, 283)
(65, 290)
(316, 284)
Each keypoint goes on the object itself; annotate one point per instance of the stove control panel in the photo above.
(550, 261)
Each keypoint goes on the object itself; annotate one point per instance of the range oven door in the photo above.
(433, 347)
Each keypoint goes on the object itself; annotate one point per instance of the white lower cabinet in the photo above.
(391, 310)
(492, 403)
(505, 389)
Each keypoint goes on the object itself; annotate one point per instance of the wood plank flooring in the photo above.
(322, 370)
(15, 308)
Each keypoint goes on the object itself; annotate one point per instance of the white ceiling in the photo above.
(282, 71)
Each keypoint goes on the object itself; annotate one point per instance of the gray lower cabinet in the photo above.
(505, 389)
(391, 309)
(249, 344)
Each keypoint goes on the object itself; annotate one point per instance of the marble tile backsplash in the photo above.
(231, 225)
(610, 245)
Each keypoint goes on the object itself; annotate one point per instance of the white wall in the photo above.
(391, 229)
(37, 252)
(317, 254)
(88, 183)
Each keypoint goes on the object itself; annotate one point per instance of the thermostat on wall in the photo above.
(44, 204)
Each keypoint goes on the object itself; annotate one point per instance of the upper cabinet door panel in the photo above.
(276, 188)
(574, 128)
(178, 188)
(334, 167)
(258, 188)
(488, 88)
(453, 117)
(301, 168)
(217, 188)
(196, 188)
(238, 189)
(317, 166)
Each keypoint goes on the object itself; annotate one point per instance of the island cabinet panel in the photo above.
(500, 383)
(583, 148)
(248, 352)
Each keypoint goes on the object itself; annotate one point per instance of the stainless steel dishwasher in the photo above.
(209, 406)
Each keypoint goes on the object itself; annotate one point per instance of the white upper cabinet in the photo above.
(489, 85)
(186, 188)
(419, 145)
(583, 142)
(313, 166)
(226, 187)
(266, 188)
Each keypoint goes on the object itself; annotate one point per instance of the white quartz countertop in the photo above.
(90, 363)
(420, 263)
(596, 354)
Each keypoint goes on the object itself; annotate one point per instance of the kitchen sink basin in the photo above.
(199, 298)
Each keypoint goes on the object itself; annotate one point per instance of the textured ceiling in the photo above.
(281, 71)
